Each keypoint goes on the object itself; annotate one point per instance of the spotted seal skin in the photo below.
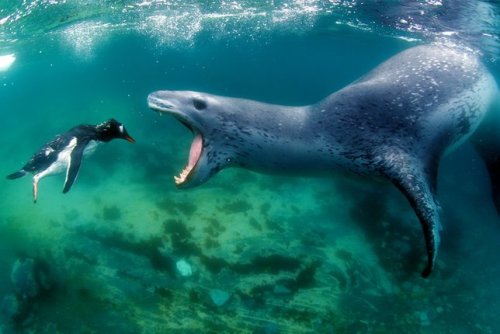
(396, 122)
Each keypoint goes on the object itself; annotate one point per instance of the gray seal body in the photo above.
(396, 122)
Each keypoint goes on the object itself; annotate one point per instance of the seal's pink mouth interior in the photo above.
(194, 156)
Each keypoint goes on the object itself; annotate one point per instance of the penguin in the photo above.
(66, 150)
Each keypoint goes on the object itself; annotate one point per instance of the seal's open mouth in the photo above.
(164, 106)
(194, 157)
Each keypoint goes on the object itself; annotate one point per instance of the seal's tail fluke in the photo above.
(16, 175)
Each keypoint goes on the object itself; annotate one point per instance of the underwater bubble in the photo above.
(84, 36)
(173, 27)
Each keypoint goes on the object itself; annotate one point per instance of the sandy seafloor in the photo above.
(293, 255)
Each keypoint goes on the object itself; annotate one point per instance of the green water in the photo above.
(294, 255)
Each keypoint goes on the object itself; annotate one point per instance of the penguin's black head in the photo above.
(112, 129)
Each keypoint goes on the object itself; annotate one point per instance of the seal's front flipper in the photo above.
(74, 165)
(418, 184)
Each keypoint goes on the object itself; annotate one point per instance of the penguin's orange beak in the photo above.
(126, 136)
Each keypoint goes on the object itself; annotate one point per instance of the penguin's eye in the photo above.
(199, 104)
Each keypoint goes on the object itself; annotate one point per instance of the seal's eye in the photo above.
(199, 104)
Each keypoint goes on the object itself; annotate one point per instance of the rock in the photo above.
(280, 289)
(184, 268)
(219, 297)
(15, 310)
(424, 319)
(269, 328)
(30, 277)
(10, 306)
(23, 278)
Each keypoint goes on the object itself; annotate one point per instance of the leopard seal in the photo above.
(396, 122)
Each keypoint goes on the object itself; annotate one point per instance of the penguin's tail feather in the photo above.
(16, 175)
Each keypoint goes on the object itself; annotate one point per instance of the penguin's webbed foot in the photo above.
(35, 190)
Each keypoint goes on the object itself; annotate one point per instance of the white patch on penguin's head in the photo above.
(112, 129)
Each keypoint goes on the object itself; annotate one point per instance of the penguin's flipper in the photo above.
(16, 175)
(74, 165)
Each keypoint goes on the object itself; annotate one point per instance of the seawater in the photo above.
(127, 252)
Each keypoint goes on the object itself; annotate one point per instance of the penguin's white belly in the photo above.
(62, 161)
(64, 158)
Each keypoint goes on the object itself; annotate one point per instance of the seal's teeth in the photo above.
(182, 176)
